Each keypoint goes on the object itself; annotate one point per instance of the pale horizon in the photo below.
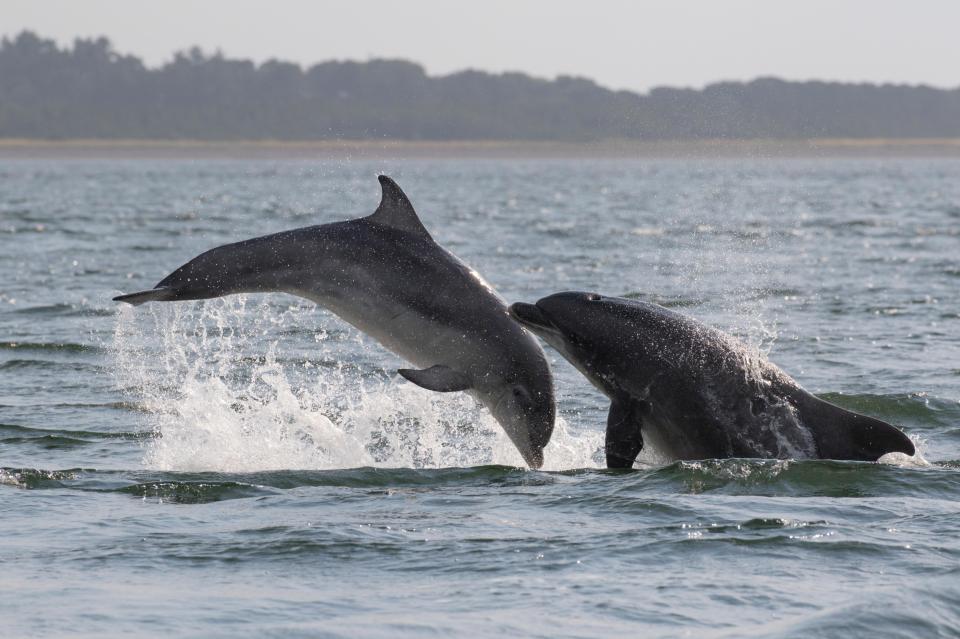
(619, 45)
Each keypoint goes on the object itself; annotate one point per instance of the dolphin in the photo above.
(692, 391)
(385, 275)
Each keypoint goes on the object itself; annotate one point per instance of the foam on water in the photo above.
(221, 394)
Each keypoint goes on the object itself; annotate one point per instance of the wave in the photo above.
(609, 490)
(44, 364)
(65, 310)
(915, 409)
(824, 478)
(12, 434)
(51, 346)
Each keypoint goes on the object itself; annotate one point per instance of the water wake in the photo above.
(235, 386)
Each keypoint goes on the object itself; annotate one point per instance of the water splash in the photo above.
(917, 460)
(719, 265)
(232, 385)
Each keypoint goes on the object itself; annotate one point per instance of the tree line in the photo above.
(91, 91)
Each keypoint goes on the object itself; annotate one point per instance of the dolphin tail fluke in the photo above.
(842, 434)
(160, 294)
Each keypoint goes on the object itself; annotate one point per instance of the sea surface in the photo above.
(254, 466)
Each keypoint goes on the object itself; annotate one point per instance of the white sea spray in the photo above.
(221, 392)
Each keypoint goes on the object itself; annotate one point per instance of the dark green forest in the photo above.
(91, 91)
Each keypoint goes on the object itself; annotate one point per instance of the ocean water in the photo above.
(254, 466)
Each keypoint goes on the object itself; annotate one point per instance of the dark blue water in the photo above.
(254, 466)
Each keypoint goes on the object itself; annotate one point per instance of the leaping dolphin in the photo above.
(692, 391)
(386, 275)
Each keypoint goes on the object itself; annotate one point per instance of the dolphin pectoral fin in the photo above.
(843, 434)
(442, 379)
(160, 294)
(624, 440)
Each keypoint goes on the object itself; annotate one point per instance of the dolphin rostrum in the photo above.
(692, 391)
(386, 275)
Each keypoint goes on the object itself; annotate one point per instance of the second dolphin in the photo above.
(694, 391)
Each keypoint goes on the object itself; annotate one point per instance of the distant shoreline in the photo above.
(19, 148)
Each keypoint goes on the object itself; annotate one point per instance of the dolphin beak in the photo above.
(530, 315)
(528, 433)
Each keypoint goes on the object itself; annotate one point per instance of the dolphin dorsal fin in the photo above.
(395, 209)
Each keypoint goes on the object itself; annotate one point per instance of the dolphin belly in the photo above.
(423, 340)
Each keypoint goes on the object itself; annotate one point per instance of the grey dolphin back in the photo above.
(395, 210)
(843, 434)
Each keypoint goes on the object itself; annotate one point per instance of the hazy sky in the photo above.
(631, 45)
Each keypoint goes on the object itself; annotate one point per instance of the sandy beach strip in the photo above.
(14, 148)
